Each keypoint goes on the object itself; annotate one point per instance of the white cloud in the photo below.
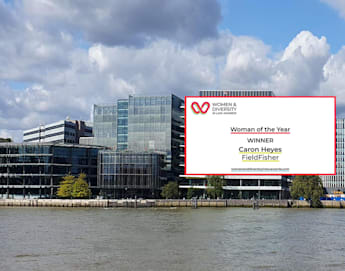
(247, 64)
(334, 84)
(65, 80)
(338, 5)
(298, 71)
(96, 57)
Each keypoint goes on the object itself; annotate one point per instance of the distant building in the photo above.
(64, 131)
(336, 182)
(36, 169)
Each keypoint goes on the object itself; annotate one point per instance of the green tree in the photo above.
(66, 187)
(81, 188)
(215, 187)
(72, 187)
(170, 191)
(309, 187)
(191, 192)
(5, 140)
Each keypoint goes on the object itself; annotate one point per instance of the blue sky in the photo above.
(277, 22)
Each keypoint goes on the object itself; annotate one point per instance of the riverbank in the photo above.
(161, 203)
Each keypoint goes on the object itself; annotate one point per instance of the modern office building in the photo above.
(104, 125)
(126, 174)
(154, 125)
(240, 186)
(142, 124)
(36, 169)
(64, 131)
(336, 182)
(150, 126)
(110, 125)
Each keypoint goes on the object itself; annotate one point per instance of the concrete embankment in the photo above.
(157, 203)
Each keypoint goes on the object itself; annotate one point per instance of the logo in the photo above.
(203, 109)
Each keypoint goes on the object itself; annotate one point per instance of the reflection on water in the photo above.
(171, 239)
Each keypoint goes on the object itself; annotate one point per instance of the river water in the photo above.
(172, 239)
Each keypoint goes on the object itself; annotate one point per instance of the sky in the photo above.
(58, 58)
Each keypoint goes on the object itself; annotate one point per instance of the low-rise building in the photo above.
(64, 131)
(242, 186)
(127, 174)
(36, 169)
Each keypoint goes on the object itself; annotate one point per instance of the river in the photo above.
(172, 239)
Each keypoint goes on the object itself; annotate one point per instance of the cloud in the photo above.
(247, 64)
(15, 135)
(297, 71)
(40, 46)
(338, 5)
(161, 68)
(334, 74)
(300, 69)
(129, 23)
(28, 53)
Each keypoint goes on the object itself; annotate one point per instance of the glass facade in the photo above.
(143, 124)
(126, 174)
(155, 124)
(105, 125)
(122, 124)
(36, 169)
(149, 123)
(337, 182)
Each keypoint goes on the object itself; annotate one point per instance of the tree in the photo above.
(66, 187)
(72, 187)
(191, 192)
(308, 187)
(170, 191)
(81, 188)
(215, 187)
(5, 140)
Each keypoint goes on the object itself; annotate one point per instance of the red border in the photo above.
(277, 174)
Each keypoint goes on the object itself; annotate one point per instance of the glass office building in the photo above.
(126, 174)
(142, 124)
(336, 182)
(36, 169)
(104, 125)
(154, 124)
